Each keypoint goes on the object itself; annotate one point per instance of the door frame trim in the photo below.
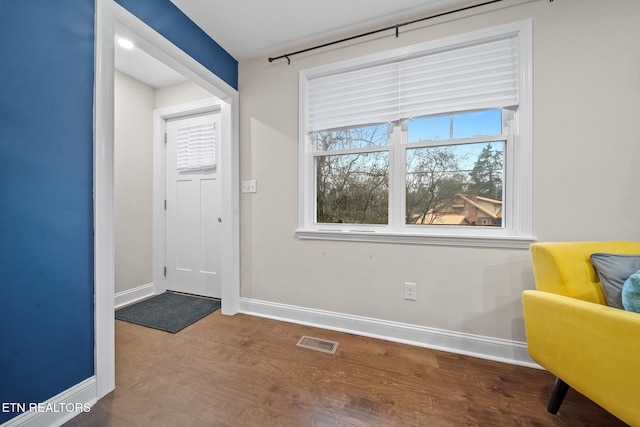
(108, 15)
(160, 117)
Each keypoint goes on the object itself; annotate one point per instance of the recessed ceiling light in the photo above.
(127, 44)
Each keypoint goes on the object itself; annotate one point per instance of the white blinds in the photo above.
(469, 78)
(363, 96)
(472, 77)
(196, 147)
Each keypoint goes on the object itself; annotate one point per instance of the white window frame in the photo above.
(517, 230)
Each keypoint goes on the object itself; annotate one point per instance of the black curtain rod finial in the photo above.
(271, 59)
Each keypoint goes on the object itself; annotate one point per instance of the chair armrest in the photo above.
(593, 348)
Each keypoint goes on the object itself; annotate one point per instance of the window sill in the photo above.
(508, 242)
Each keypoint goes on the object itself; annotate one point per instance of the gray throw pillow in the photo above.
(614, 270)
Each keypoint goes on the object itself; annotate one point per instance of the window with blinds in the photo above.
(427, 144)
(196, 148)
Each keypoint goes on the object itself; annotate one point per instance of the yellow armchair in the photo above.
(572, 333)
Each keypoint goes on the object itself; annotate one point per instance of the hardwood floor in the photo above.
(247, 371)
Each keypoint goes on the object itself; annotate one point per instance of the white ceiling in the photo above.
(253, 28)
(145, 68)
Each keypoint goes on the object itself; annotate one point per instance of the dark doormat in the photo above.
(168, 311)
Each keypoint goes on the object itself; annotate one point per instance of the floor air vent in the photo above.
(317, 344)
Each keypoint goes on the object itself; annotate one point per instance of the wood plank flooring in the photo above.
(247, 371)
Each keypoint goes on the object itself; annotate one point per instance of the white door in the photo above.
(193, 205)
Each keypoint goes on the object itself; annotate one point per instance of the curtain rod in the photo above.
(392, 27)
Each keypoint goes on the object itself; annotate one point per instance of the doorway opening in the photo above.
(167, 216)
(109, 16)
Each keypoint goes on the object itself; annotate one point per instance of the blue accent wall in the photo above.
(46, 185)
(46, 207)
(164, 17)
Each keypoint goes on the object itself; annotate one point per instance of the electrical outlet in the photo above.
(410, 291)
(249, 186)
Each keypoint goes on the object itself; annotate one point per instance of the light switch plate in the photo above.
(249, 186)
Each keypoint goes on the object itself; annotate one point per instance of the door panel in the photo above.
(193, 212)
(182, 222)
(210, 246)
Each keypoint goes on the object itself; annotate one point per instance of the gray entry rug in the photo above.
(168, 311)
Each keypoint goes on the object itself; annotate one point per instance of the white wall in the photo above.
(179, 94)
(133, 190)
(586, 80)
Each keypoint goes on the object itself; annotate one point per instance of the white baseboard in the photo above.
(512, 352)
(133, 295)
(60, 408)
